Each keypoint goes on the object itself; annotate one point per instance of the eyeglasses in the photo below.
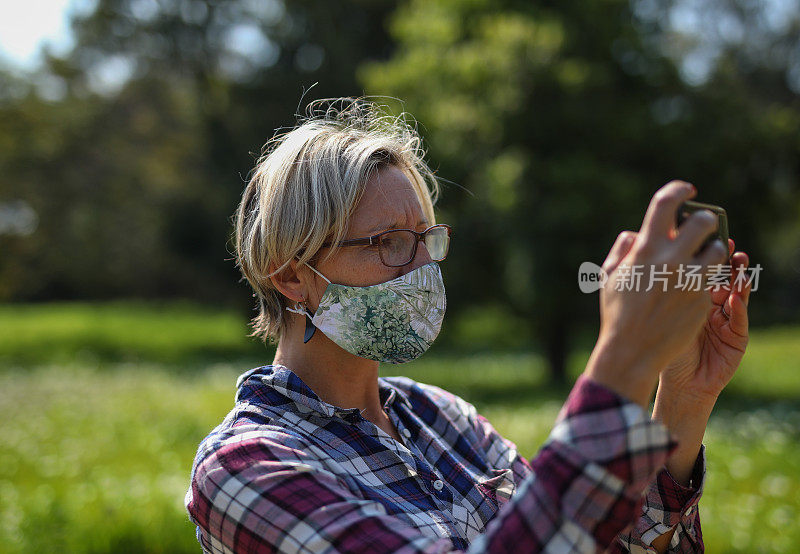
(398, 247)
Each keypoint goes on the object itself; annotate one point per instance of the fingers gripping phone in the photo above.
(690, 206)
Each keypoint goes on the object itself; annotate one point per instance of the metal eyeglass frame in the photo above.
(376, 240)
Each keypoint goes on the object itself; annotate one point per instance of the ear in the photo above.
(289, 282)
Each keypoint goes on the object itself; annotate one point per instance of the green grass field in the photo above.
(102, 407)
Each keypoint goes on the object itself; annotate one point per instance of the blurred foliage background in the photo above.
(551, 124)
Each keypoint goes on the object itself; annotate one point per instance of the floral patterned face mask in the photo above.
(392, 322)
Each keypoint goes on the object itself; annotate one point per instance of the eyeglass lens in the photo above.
(398, 247)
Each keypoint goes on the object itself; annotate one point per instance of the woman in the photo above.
(336, 234)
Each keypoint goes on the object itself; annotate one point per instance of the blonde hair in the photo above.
(305, 186)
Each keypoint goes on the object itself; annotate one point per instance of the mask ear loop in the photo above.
(310, 327)
(318, 273)
(300, 308)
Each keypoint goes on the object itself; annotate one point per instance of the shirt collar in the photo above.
(284, 381)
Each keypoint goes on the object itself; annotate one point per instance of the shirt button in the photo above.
(407, 433)
(438, 485)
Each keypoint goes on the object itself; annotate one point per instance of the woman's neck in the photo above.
(336, 376)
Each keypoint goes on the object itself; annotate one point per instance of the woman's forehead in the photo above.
(389, 200)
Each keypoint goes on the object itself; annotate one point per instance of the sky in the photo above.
(26, 24)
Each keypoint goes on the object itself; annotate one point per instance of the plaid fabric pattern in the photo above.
(668, 504)
(287, 472)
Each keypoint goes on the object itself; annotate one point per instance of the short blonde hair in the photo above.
(305, 186)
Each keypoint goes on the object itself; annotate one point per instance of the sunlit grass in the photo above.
(96, 453)
(171, 332)
(98, 461)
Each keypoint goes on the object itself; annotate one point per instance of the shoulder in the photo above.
(250, 480)
(263, 428)
(240, 456)
(242, 439)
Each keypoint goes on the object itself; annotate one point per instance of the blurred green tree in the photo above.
(132, 149)
(739, 119)
(561, 119)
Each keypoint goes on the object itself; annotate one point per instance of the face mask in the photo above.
(392, 322)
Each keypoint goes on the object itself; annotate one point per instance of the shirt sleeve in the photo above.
(668, 504)
(584, 488)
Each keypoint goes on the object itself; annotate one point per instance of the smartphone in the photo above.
(690, 206)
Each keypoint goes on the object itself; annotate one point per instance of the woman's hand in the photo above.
(702, 369)
(706, 364)
(641, 329)
(689, 386)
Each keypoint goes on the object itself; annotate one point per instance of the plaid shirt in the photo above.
(287, 472)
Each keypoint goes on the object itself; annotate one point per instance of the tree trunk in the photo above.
(555, 344)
